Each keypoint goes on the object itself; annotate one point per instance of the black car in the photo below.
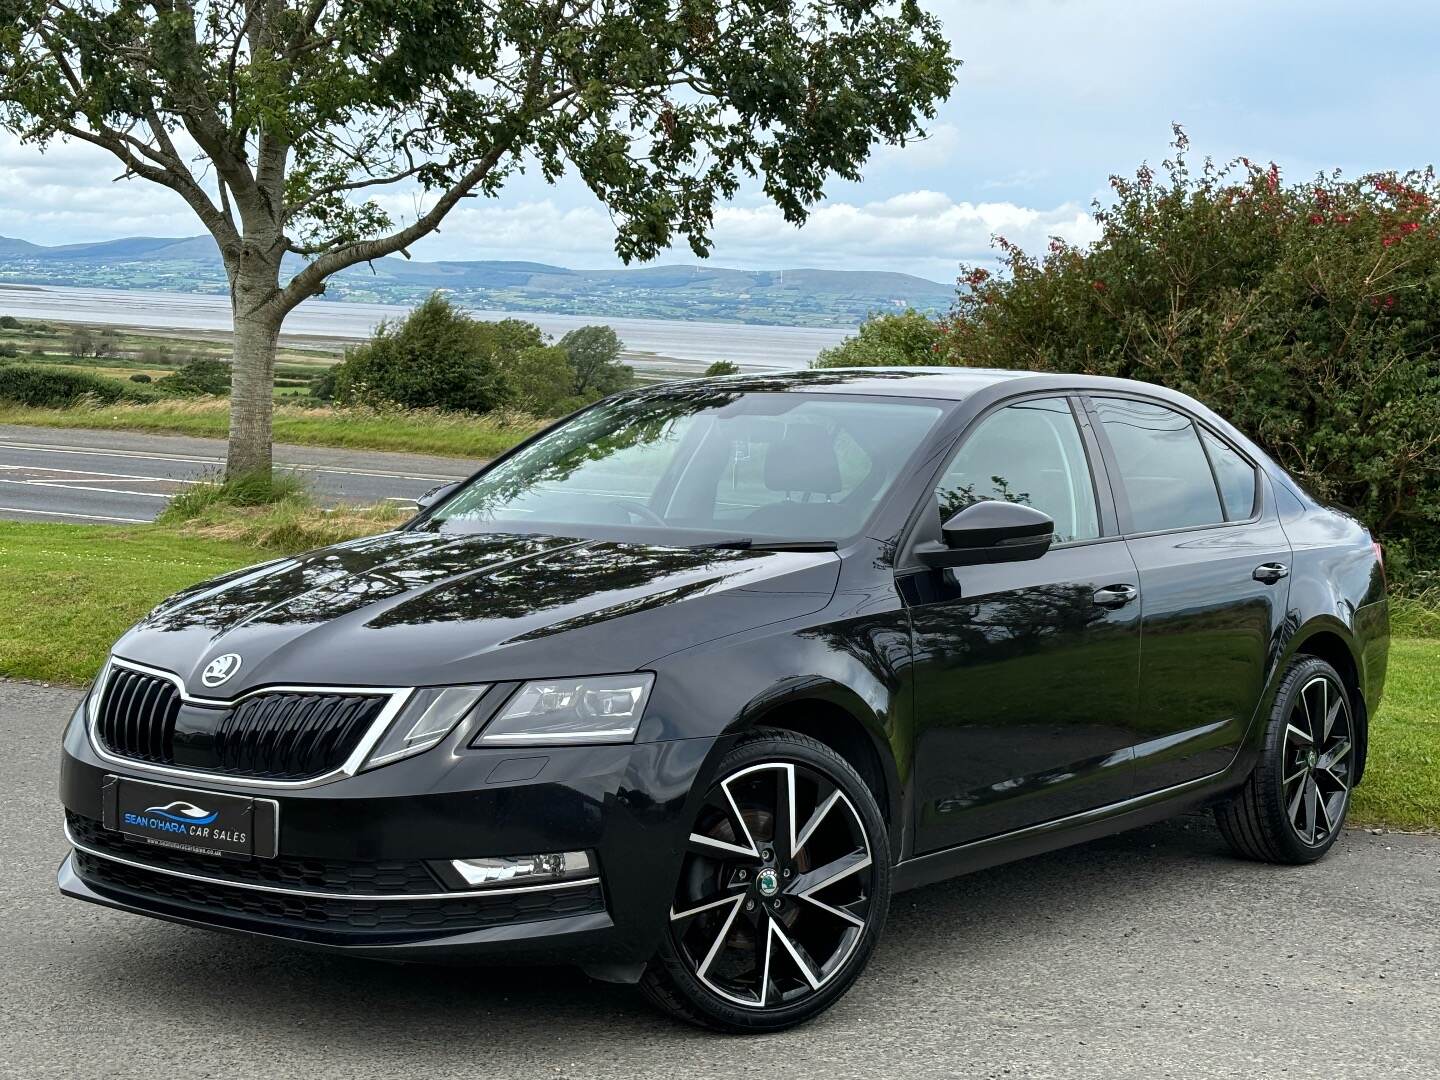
(683, 689)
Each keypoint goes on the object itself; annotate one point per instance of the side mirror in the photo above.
(990, 532)
(435, 495)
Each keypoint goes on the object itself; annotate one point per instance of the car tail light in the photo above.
(1379, 556)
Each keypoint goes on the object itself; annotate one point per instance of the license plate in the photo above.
(204, 822)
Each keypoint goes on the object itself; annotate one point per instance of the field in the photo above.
(72, 589)
(120, 353)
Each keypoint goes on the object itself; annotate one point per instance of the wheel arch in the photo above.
(1330, 640)
(839, 718)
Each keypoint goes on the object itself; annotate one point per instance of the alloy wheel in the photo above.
(776, 886)
(1315, 782)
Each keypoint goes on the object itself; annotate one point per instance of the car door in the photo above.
(1025, 673)
(1213, 563)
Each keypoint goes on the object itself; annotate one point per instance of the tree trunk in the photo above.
(252, 375)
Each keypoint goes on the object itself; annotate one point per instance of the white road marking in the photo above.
(93, 473)
(58, 513)
(154, 456)
(71, 485)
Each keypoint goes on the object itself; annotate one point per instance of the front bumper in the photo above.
(354, 869)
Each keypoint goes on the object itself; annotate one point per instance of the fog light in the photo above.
(524, 869)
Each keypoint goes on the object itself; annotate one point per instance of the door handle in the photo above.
(1271, 572)
(1116, 596)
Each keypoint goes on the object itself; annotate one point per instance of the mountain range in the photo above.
(799, 297)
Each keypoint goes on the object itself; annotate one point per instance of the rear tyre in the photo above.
(782, 894)
(1293, 806)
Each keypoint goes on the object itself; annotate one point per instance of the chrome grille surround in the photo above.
(397, 697)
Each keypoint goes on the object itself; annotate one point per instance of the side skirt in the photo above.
(1063, 832)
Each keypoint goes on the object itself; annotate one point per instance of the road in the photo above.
(1148, 955)
(112, 477)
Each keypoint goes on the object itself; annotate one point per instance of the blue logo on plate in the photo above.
(183, 813)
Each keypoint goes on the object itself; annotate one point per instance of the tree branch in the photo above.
(311, 280)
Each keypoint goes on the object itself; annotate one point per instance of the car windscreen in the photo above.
(690, 466)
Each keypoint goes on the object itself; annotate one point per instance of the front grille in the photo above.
(286, 872)
(137, 716)
(292, 736)
(319, 917)
(279, 735)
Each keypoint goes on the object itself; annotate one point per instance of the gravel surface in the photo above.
(1152, 954)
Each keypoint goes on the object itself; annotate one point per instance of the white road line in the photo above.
(71, 486)
(93, 473)
(58, 513)
(147, 456)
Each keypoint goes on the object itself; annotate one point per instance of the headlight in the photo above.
(429, 715)
(551, 712)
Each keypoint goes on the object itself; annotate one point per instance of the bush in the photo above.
(9, 352)
(722, 367)
(141, 378)
(9, 322)
(1308, 314)
(56, 388)
(322, 386)
(436, 358)
(905, 339)
(200, 376)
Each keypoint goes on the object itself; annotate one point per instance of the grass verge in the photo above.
(70, 590)
(1401, 789)
(416, 432)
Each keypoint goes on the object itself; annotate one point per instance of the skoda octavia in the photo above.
(683, 689)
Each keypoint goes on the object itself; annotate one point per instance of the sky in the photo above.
(1054, 96)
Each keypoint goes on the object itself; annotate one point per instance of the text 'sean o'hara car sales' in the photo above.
(683, 689)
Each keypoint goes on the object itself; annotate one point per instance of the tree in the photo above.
(594, 353)
(905, 339)
(279, 121)
(722, 367)
(436, 358)
(541, 380)
(82, 343)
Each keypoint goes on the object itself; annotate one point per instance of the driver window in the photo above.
(1030, 453)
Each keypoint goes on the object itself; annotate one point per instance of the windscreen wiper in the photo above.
(746, 543)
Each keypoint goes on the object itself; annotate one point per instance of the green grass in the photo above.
(70, 590)
(1402, 776)
(418, 432)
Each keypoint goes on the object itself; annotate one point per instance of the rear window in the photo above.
(1162, 464)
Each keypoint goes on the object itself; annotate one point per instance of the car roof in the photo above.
(952, 383)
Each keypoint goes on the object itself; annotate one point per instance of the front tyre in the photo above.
(782, 894)
(1293, 806)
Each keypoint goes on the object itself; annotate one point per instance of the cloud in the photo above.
(69, 194)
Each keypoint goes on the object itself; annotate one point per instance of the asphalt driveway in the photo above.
(1150, 955)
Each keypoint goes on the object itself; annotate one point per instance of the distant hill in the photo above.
(799, 297)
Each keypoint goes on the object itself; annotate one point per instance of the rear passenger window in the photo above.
(1164, 469)
(1236, 478)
